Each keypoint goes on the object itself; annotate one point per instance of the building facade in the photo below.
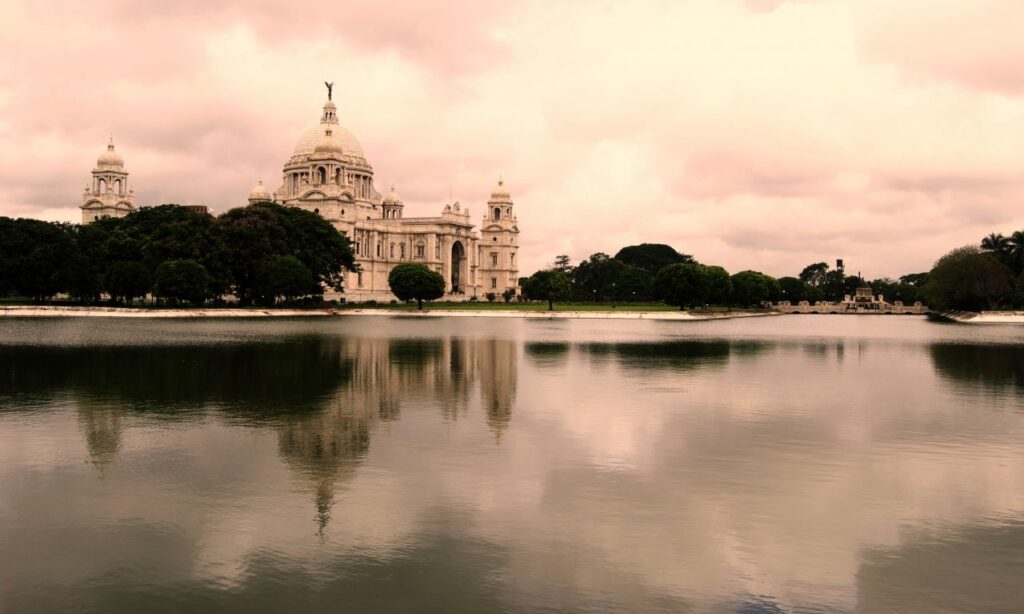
(108, 194)
(328, 174)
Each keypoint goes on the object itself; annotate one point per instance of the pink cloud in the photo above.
(752, 134)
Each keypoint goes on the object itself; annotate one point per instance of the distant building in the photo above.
(108, 195)
(863, 301)
(328, 174)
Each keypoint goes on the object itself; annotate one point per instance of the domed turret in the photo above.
(259, 193)
(392, 205)
(108, 194)
(392, 198)
(500, 195)
(110, 159)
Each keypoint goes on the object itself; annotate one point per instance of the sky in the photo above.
(752, 134)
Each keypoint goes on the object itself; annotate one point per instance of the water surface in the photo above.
(390, 464)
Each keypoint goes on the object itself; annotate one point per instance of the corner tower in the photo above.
(499, 244)
(108, 195)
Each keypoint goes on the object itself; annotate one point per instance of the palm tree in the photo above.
(1016, 251)
(995, 242)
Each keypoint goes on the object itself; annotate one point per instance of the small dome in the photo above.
(110, 157)
(392, 198)
(500, 193)
(259, 192)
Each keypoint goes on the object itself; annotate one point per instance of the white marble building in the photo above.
(328, 174)
(108, 194)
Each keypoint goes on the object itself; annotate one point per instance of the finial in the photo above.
(501, 180)
(110, 143)
(330, 89)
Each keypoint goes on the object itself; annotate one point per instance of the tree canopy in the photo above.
(549, 285)
(968, 279)
(651, 257)
(206, 257)
(415, 282)
(683, 285)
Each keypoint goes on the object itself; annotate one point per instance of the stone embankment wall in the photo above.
(976, 317)
(897, 308)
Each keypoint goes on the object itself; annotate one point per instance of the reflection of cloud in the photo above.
(946, 569)
(711, 475)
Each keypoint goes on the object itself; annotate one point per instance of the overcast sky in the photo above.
(758, 134)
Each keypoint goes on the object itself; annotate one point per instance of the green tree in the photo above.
(792, 289)
(814, 274)
(259, 232)
(562, 263)
(751, 288)
(720, 285)
(182, 280)
(284, 277)
(999, 246)
(652, 257)
(968, 279)
(411, 281)
(91, 258)
(127, 280)
(36, 257)
(1015, 244)
(633, 284)
(548, 286)
(683, 284)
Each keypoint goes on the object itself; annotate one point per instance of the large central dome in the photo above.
(317, 135)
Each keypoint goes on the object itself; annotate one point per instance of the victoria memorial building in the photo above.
(329, 175)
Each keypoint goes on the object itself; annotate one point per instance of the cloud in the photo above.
(751, 134)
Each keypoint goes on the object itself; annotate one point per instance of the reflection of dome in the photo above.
(110, 157)
(259, 193)
(316, 135)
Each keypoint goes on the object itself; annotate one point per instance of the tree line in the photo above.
(655, 272)
(987, 275)
(260, 254)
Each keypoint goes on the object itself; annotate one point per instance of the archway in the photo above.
(458, 260)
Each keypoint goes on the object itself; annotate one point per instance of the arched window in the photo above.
(321, 174)
(117, 186)
(103, 186)
(497, 213)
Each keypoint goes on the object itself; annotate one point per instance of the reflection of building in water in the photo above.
(102, 429)
(327, 447)
(498, 382)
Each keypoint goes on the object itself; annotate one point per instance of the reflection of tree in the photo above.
(248, 380)
(547, 353)
(984, 366)
(668, 355)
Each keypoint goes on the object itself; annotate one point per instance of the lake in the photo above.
(397, 464)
